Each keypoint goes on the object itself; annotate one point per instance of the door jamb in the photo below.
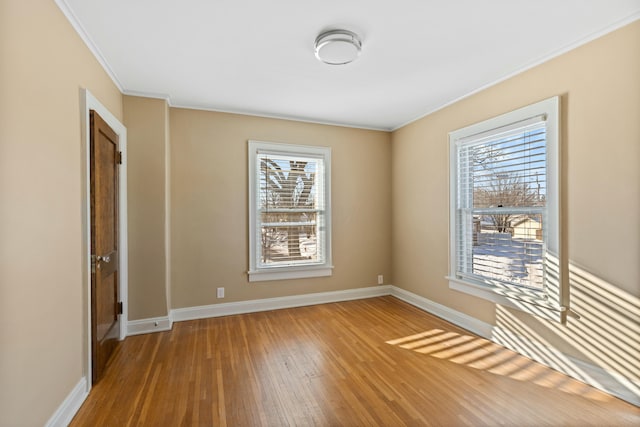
(91, 103)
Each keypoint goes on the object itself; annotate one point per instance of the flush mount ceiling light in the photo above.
(337, 47)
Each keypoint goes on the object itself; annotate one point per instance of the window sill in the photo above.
(523, 301)
(285, 273)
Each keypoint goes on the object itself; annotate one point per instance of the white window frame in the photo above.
(257, 271)
(550, 302)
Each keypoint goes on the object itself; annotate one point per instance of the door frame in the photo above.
(89, 102)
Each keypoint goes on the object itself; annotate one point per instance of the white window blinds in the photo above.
(291, 209)
(501, 204)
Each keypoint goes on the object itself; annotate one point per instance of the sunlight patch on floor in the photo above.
(481, 354)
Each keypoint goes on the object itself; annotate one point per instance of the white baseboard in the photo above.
(457, 318)
(593, 375)
(252, 306)
(146, 326)
(610, 382)
(70, 406)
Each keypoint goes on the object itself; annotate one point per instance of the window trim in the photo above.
(551, 302)
(279, 272)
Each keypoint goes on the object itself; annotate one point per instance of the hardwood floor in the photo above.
(374, 362)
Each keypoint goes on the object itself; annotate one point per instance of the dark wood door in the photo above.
(105, 306)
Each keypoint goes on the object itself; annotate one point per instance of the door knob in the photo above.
(105, 258)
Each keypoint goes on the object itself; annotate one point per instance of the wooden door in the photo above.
(105, 301)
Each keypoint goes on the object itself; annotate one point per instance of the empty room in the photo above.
(340, 213)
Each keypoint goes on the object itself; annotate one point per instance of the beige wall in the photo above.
(599, 85)
(43, 66)
(146, 120)
(209, 213)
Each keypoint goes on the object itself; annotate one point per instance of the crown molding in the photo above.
(264, 115)
(93, 48)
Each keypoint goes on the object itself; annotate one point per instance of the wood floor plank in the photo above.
(374, 362)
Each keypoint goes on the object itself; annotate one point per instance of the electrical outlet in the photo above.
(380, 279)
(220, 292)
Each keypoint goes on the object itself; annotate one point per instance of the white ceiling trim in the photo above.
(75, 23)
(245, 113)
(278, 117)
(571, 46)
(162, 96)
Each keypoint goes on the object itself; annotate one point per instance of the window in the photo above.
(289, 211)
(505, 209)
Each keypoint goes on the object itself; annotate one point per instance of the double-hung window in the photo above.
(289, 211)
(504, 210)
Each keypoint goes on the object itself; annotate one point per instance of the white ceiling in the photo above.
(256, 56)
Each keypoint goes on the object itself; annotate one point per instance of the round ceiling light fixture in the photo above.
(338, 47)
